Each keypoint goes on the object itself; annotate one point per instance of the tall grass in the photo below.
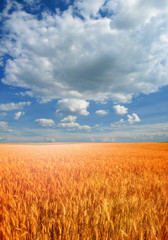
(84, 191)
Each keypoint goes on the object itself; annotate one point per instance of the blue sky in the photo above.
(83, 71)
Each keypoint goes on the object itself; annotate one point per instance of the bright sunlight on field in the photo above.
(84, 191)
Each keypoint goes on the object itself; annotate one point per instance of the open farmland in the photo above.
(84, 191)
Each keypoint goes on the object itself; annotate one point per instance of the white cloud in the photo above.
(13, 106)
(89, 8)
(71, 107)
(84, 127)
(69, 122)
(42, 122)
(74, 125)
(70, 118)
(121, 110)
(4, 127)
(130, 133)
(2, 115)
(133, 118)
(118, 124)
(122, 123)
(18, 115)
(9, 4)
(117, 56)
(101, 112)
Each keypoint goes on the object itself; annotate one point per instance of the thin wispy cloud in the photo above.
(4, 127)
(74, 125)
(13, 106)
(18, 115)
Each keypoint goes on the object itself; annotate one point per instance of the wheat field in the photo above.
(86, 191)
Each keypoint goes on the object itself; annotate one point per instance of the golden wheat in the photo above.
(84, 191)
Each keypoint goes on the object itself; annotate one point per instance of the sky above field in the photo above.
(83, 70)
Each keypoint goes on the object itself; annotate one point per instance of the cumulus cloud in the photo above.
(73, 107)
(42, 122)
(69, 122)
(117, 56)
(69, 118)
(18, 115)
(13, 106)
(4, 127)
(121, 110)
(101, 112)
(133, 118)
(134, 13)
(89, 8)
